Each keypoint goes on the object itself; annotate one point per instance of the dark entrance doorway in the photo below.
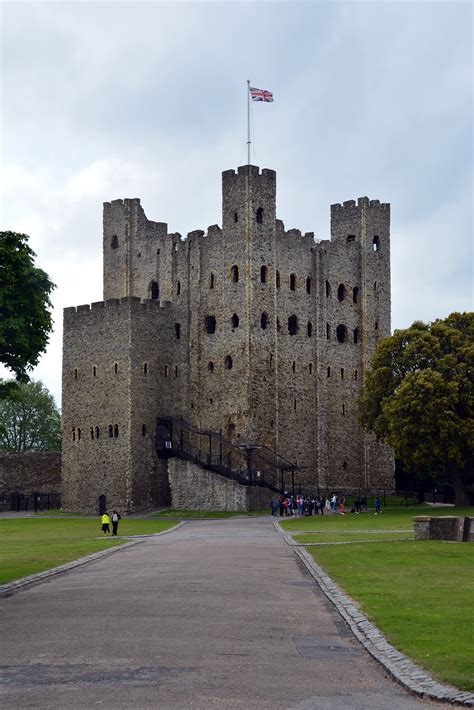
(102, 504)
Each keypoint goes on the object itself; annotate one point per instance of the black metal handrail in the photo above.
(248, 464)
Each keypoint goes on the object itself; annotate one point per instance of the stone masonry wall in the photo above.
(194, 488)
(235, 329)
(30, 472)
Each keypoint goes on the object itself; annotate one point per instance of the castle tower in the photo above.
(261, 333)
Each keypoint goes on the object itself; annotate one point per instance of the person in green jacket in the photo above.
(105, 523)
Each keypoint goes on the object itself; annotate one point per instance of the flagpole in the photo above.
(248, 121)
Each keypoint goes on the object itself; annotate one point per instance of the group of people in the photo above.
(289, 505)
(106, 519)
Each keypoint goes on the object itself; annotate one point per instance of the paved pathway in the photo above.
(219, 614)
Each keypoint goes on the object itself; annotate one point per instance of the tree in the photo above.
(25, 318)
(29, 420)
(419, 398)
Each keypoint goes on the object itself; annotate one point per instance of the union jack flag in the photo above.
(260, 94)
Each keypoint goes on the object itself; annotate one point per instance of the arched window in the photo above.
(78, 434)
(210, 324)
(292, 325)
(235, 321)
(154, 291)
(308, 285)
(97, 432)
(328, 331)
(176, 371)
(355, 294)
(211, 281)
(309, 328)
(94, 371)
(263, 321)
(73, 434)
(116, 431)
(166, 371)
(116, 368)
(235, 274)
(328, 371)
(376, 243)
(376, 325)
(356, 335)
(375, 285)
(310, 368)
(228, 362)
(236, 217)
(341, 292)
(342, 373)
(277, 280)
(75, 373)
(293, 367)
(210, 366)
(177, 330)
(91, 430)
(178, 287)
(278, 325)
(114, 242)
(263, 275)
(145, 368)
(259, 215)
(143, 429)
(292, 282)
(341, 333)
(328, 289)
(356, 375)
(111, 431)
(343, 410)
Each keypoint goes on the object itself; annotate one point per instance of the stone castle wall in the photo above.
(29, 472)
(238, 332)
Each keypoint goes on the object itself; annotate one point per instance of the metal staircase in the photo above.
(247, 463)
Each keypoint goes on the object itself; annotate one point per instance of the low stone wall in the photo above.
(448, 527)
(195, 488)
(27, 473)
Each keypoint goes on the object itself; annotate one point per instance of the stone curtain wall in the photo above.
(30, 472)
(194, 488)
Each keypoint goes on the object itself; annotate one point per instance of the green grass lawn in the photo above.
(328, 536)
(29, 545)
(185, 514)
(391, 519)
(419, 594)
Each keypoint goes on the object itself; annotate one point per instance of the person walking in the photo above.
(334, 503)
(115, 521)
(105, 523)
(378, 506)
(342, 502)
(273, 506)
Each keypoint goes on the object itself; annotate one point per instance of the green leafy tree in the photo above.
(25, 318)
(29, 420)
(419, 398)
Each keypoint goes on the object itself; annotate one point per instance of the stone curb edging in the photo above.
(416, 680)
(7, 590)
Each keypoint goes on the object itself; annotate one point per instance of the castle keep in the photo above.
(251, 330)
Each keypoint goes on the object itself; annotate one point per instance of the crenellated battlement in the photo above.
(351, 205)
(113, 305)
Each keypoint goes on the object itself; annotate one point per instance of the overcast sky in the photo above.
(102, 100)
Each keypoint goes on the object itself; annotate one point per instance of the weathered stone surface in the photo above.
(145, 352)
(29, 472)
(447, 527)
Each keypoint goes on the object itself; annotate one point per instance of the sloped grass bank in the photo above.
(329, 536)
(30, 545)
(419, 594)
